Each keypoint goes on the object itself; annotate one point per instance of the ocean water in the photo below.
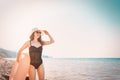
(82, 69)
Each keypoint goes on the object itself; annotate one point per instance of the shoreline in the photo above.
(10, 58)
(82, 59)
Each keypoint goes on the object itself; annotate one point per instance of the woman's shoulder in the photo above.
(27, 42)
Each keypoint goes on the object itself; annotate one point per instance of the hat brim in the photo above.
(42, 32)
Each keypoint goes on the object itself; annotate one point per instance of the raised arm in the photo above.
(50, 37)
(25, 45)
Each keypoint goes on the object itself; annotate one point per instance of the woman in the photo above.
(35, 45)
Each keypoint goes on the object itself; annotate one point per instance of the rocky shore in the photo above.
(5, 68)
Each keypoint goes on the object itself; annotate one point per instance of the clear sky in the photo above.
(80, 28)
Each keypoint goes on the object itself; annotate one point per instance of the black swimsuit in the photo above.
(35, 55)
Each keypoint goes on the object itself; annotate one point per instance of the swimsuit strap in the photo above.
(30, 42)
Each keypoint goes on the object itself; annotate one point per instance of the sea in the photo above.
(82, 68)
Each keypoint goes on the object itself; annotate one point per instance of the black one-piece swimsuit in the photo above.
(35, 55)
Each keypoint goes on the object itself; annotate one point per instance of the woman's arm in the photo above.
(25, 45)
(50, 37)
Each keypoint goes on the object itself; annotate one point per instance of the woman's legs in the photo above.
(32, 73)
(40, 71)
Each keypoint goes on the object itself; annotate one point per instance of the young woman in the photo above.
(35, 45)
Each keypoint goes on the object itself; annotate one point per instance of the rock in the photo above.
(5, 67)
(7, 77)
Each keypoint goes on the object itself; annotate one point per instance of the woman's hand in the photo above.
(25, 45)
(42, 32)
(46, 32)
(18, 59)
(50, 37)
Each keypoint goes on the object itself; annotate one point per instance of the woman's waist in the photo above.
(36, 60)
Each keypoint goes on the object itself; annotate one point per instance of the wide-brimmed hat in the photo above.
(36, 29)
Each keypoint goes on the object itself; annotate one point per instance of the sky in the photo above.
(80, 28)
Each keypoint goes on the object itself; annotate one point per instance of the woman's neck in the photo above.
(35, 39)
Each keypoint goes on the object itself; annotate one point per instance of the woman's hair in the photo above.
(39, 39)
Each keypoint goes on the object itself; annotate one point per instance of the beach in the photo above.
(77, 69)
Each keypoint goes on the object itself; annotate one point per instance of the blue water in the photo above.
(92, 59)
